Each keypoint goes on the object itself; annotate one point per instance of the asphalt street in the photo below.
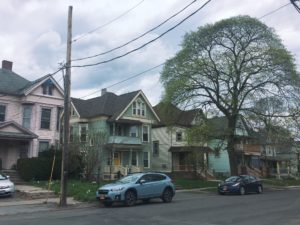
(189, 208)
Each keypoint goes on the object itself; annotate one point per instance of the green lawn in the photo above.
(195, 183)
(80, 190)
(281, 183)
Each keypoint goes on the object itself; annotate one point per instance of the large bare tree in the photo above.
(227, 67)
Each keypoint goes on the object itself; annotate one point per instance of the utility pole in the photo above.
(67, 104)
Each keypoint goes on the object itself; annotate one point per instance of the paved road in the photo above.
(273, 207)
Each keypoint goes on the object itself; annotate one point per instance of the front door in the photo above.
(117, 159)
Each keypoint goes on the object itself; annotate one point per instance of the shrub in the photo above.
(40, 168)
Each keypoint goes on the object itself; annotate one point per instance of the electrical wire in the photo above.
(128, 78)
(107, 23)
(275, 10)
(297, 6)
(147, 43)
(138, 37)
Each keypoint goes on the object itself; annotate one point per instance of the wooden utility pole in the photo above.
(67, 104)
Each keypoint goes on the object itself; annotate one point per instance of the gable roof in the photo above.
(109, 104)
(170, 114)
(24, 133)
(13, 84)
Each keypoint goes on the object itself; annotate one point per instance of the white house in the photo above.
(29, 115)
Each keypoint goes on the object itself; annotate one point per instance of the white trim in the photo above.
(146, 100)
(42, 81)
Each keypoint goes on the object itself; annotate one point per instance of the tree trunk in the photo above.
(230, 146)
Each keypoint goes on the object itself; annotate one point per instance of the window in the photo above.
(2, 113)
(179, 136)
(71, 134)
(45, 118)
(119, 130)
(43, 146)
(48, 87)
(111, 129)
(155, 148)
(134, 159)
(145, 133)
(139, 108)
(146, 160)
(73, 113)
(59, 110)
(27, 110)
(133, 131)
(83, 133)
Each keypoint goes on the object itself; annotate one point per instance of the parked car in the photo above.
(242, 184)
(137, 186)
(7, 188)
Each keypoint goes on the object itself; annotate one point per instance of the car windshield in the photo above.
(129, 179)
(232, 179)
(2, 177)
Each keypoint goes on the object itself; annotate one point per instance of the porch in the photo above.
(190, 159)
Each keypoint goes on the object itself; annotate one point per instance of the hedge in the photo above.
(39, 168)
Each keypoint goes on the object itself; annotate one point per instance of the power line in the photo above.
(129, 78)
(140, 36)
(147, 43)
(275, 10)
(296, 5)
(109, 22)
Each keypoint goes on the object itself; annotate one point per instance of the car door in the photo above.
(253, 183)
(144, 186)
(159, 184)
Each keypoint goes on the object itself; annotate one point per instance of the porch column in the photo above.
(278, 169)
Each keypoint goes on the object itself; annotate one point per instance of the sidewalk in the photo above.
(29, 195)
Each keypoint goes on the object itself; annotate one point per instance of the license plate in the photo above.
(102, 197)
(225, 188)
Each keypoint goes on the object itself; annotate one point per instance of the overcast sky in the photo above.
(33, 36)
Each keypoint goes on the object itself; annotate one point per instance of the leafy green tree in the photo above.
(227, 67)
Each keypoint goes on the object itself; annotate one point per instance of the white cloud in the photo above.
(33, 36)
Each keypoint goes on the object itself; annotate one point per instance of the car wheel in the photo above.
(259, 189)
(167, 195)
(220, 193)
(242, 191)
(107, 204)
(130, 198)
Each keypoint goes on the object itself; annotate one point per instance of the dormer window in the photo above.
(48, 87)
(139, 108)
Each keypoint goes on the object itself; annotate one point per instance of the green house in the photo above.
(118, 128)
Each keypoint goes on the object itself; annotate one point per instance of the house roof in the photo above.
(109, 104)
(170, 114)
(23, 133)
(12, 83)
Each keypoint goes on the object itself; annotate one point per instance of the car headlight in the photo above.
(117, 189)
(235, 185)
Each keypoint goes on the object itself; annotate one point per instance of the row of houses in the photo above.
(138, 137)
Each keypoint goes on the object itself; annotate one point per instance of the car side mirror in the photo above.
(142, 181)
(7, 177)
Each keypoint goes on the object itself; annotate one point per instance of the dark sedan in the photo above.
(242, 184)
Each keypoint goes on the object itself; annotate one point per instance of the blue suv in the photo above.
(137, 186)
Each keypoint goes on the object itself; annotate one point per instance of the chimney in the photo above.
(7, 65)
(103, 91)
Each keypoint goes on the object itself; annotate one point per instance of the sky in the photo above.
(33, 35)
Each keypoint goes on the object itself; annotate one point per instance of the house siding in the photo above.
(219, 163)
(14, 112)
